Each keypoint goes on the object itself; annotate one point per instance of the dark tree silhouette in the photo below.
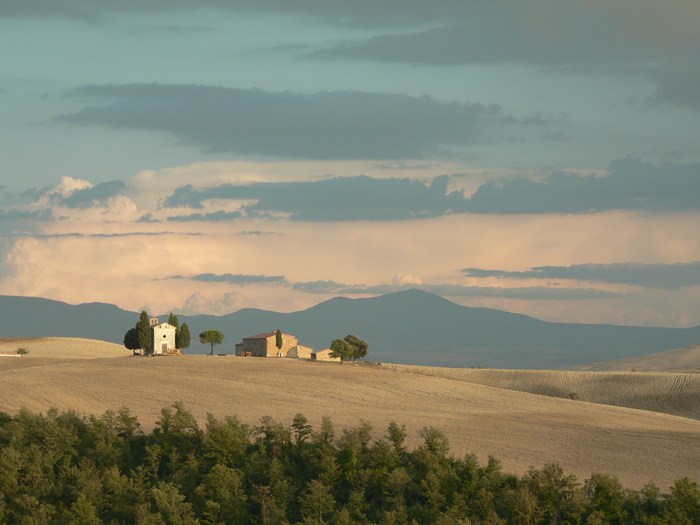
(278, 339)
(213, 337)
(144, 330)
(185, 337)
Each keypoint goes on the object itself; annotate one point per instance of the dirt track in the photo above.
(519, 428)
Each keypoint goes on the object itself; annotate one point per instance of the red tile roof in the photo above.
(260, 336)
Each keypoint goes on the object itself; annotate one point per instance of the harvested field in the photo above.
(519, 428)
(680, 359)
(667, 392)
(63, 348)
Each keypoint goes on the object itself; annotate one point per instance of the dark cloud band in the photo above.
(452, 290)
(630, 185)
(240, 279)
(663, 276)
(95, 196)
(325, 125)
(337, 199)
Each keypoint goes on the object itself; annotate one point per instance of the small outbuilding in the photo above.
(323, 355)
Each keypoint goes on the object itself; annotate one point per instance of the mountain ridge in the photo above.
(412, 327)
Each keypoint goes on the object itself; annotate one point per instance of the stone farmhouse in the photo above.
(265, 345)
(162, 338)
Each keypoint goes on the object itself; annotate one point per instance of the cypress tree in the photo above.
(144, 329)
(278, 337)
(184, 337)
(173, 320)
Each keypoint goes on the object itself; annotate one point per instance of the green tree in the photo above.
(144, 330)
(341, 348)
(278, 339)
(173, 321)
(131, 339)
(359, 347)
(683, 506)
(213, 337)
(185, 338)
(302, 429)
(316, 500)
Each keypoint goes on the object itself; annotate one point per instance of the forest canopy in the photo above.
(68, 468)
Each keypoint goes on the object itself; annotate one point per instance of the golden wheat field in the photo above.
(687, 358)
(519, 428)
(676, 393)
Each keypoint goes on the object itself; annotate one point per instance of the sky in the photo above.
(535, 156)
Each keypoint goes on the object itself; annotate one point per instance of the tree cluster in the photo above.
(65, 468)
(140, 337)
(349, 349)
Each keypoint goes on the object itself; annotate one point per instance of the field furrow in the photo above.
(666, 392)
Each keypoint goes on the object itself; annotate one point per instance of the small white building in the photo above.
(162, 338)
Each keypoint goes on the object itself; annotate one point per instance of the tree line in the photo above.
(67, 468)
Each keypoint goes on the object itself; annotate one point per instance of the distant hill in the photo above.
(687, 358)
(412, 327)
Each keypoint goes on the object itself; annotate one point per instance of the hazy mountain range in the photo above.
(413, 327)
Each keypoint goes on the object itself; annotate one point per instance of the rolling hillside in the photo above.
(518, 428)
(412, 327)
(666, 392)
(687, 358)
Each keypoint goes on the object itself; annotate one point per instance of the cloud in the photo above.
(663, 276)
(336, 199)
(679, 82)
(496, 39)
(94, 196)
(630, 185)
(234, 279)
(218, 216)
(76, 194)
(147, 218)
(359, 13)
(198, 304)
(454, 290)
(623, 34)
(319, 287)
(324, 125)
(14, 214)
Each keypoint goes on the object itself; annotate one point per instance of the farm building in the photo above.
(323, 355)
(162, 338)
(265, 345)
